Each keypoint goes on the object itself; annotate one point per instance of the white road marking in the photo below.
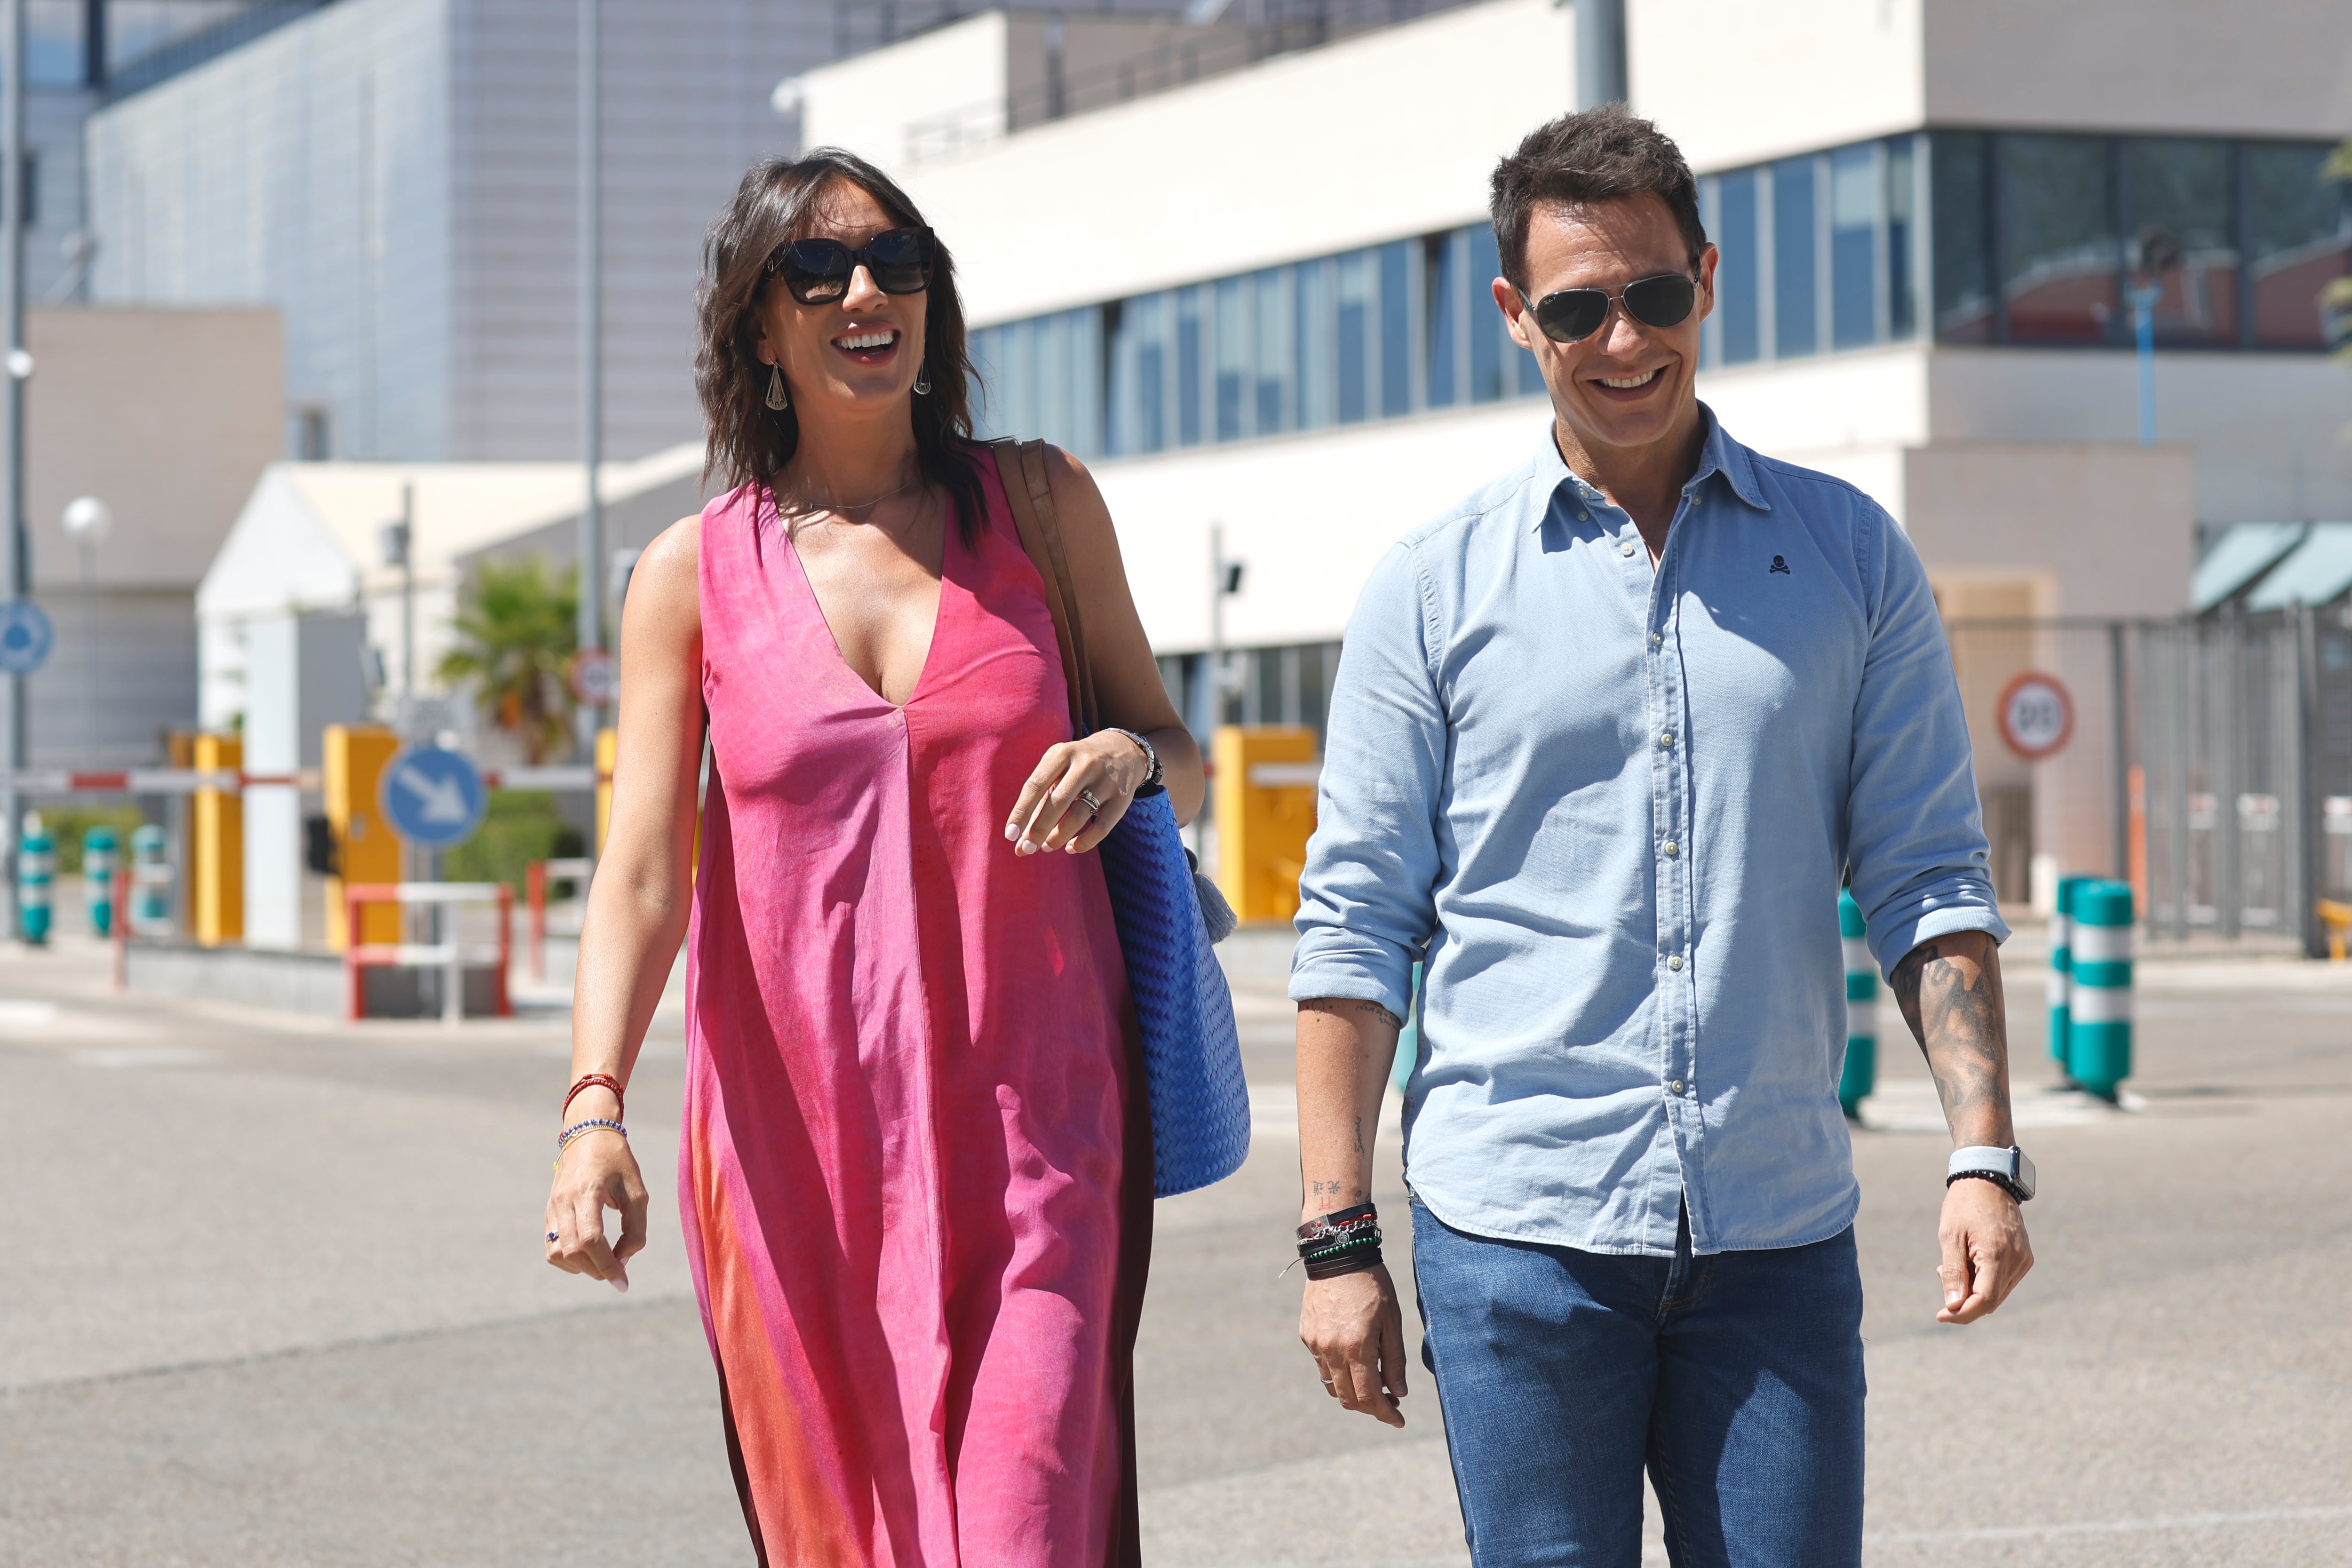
(117, 1056)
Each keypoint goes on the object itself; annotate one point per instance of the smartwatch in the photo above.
(2006, 1168)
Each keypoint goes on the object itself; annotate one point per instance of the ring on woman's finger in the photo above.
(553, 1236)
(1094, 807)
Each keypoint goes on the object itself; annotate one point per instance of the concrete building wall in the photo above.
(311, 171)
(399, 177)
(1392, 134)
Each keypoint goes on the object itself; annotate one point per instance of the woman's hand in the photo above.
(1049, 815)
(596, 1172)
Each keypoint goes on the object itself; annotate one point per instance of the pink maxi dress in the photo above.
(914, 1202)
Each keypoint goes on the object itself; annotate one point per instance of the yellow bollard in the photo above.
(1265, 812)
(217, 884)
(366, 849)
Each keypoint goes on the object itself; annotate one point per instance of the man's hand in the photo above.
(1352, 1327)
(1949, 990)
(1985, 1249)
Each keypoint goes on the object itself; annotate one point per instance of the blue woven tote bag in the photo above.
(1191, 1052)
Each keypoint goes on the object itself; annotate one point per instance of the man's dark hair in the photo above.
(1602, 154)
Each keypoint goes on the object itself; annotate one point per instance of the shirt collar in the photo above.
(1718, 454)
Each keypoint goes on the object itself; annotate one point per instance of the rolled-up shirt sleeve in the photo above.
(1915, 831)
(1366, 901)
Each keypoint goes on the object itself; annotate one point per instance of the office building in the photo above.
(1259, 303)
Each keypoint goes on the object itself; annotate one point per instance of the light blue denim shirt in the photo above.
(1610, 807)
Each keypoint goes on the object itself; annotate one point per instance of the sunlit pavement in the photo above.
(273, 1294)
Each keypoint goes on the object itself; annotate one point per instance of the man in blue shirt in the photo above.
(1604, 742)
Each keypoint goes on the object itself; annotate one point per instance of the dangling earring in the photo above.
(923, 381)
(776, 395)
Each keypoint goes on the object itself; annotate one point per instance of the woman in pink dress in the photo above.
(915, 1170)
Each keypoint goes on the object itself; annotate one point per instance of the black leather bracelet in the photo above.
(1995, 1177)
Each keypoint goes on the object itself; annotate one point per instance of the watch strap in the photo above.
(2009, 1167)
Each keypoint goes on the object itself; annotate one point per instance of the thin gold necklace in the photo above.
(802, 510)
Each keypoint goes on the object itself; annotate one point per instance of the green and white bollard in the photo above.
(151, 882)
(37, 867)
(1859, 1077)
(2062, 959)
(2098, 1026)
(97, 849)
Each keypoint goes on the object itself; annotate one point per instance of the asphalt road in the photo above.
(272, 1295)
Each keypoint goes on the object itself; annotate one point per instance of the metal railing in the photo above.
(1177, 57)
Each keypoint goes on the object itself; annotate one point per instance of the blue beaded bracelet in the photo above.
(577, 1128)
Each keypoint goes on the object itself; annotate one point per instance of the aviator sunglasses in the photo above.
(1573, 313)
(818, 272)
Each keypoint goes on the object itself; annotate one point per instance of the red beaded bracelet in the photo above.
(591, 1080)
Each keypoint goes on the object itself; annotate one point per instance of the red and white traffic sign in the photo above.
(595, 679)
(2037, 716)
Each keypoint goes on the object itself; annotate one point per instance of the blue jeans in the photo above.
(1735, 1379)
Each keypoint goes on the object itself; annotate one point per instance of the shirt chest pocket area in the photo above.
(1772, 647)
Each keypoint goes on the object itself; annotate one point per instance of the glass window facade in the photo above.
(1972, 236)
(1377, 333)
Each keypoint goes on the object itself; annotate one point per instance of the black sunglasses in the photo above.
(818, 272)
(1664, 300)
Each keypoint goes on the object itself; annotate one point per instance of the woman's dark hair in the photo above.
(750, 443)
(1604, 154)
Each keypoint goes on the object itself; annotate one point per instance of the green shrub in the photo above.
(521, 825)
(68, 824)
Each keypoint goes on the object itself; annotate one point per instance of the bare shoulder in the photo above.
(1078, 503)
(667, 585)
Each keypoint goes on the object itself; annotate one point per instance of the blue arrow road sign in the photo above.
(24, 638)
(432, 797)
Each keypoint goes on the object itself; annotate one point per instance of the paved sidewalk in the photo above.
(273, 1296)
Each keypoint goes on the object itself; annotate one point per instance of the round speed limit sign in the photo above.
(2037, 717)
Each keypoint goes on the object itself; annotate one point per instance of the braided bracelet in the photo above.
(1347, 1242)
(596, 1079)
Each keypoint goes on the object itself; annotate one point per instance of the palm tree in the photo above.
(516, 630)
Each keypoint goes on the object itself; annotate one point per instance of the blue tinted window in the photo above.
(1318, 389)
(1396, 329)
(2059, 248)
(1962, 236)
(1274, 323)
(1444, 259)
(1487, 340)
(1902, 203)
(988, 386)
(1354, 336)
(1188, 366)
(1853, 247)
(1234, 340)
(1149, 316)
(1736, 268)
(1795, 296)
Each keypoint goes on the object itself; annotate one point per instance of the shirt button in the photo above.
(1668, 739)
(1677, 1085)
(1676, 962)
(1672, 849)
(1584, 517)
(1657, 640)
(1626, 548)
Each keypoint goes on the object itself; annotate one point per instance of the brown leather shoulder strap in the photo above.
(1029, 492)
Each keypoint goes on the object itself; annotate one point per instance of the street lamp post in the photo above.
(591, 631)
(18, 366)
(88, 521)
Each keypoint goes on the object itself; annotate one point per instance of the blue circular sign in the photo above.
(432, 797)
(26, 637)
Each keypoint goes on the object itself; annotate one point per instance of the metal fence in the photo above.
(2244, 762)
(2211, 765)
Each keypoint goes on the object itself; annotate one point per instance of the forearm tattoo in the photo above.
(1949, 991)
